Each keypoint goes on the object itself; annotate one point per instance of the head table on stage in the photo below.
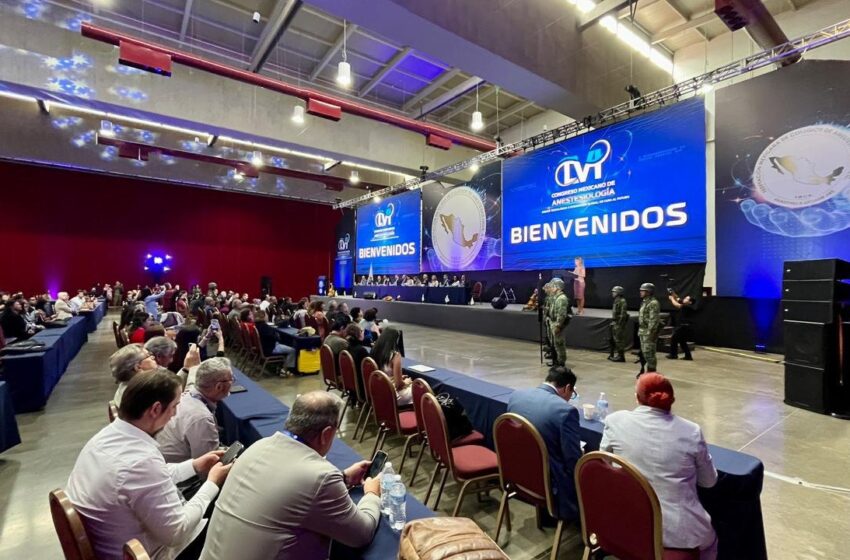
(455, 295)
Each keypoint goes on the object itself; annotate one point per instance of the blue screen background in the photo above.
(406, 224)
(654, 160)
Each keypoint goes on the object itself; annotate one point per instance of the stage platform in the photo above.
(589, 331)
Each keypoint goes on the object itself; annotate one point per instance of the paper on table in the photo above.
(419, 368)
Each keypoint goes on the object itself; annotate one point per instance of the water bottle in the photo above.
(602, 407)
(447, 300)
(387, 480)
(398, 507)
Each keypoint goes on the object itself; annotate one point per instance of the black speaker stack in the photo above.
(816, 317)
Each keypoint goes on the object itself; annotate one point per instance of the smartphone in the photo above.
(232, 452)
(238, 389)
(377, 465)
(214, 325)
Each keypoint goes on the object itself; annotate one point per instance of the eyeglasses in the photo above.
(575, 395)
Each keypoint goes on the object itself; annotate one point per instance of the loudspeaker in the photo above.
(499, 303)
(811, 344)
(815, 290)
(820, 269)
(811, 311)
(266, 285)
(369, 295)
(806, 387)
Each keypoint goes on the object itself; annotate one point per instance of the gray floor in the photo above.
(736, 399)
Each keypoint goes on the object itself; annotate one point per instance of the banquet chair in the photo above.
(133, 550)
(348, 378)
(235, 344)
(366, 369)
(619, 510)
(112, 411)
(69, 527)
(247, 344)
(390, 420)
(329, 376)
(260, 359)
(469, 464)
(119, 342)
(523, 471)
(420, 387)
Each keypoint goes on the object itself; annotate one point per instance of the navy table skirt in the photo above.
(734, 503)
(457, 296)
(9, 436)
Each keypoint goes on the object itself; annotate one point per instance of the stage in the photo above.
(589, 331)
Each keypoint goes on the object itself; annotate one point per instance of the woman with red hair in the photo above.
(672, 454)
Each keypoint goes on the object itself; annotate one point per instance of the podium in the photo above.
(816, 322)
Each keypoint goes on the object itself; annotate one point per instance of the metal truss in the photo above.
(785, 53)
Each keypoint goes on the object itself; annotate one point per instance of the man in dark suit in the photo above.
(12, 320)
(547, 407)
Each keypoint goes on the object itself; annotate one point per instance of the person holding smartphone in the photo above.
(261, 514)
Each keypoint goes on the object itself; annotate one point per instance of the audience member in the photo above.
(548, 408)
(62, 308)
(268, 339)
(336, 338)
(163, 349)
(672, 454)
(13, 322)
(78, 301)
(140, 321)
(188, 335)
(193, 431)
(369, 324)
(122, 487)
(153, 330)
(125, 363)
(356, 315)
(357, 349)
(263, 514)
(386, 355)
(169, 298)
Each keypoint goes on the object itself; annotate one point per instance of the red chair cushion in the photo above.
(680, 554)
(472, 461)
(474, 438)
(407, 422)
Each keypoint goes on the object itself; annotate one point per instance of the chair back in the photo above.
(420, 388)
(125, 338)
(477, 288)
(133, 550)
(436, 430)
(384, 399)
(619, 507)
(326, 359)
(245, 335)
(69, 527)
(118, 342)
(255, 340)
(348, 375)
(3, 339)
(112, 411)
(366, 368)
(523, 461)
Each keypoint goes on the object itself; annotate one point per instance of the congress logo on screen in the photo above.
(342, 244)
(384, 218)
(459, 228)
(572, 171)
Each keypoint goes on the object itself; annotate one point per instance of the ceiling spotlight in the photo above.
(211, 140)
(256, 17)
(106, 129)
(257, 159)
(44, 106)
(377, 199)
(238, 175)
(168, 257)
(343, 74)
(705, 88)
(354, 178)
(298, 114)
(474, 167)
(166, 268)
(477, 122)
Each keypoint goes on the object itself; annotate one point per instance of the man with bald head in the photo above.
(285, 500)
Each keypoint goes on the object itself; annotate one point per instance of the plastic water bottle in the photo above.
(387, 479)
(398, 507)
(602, 407)
(447, 298)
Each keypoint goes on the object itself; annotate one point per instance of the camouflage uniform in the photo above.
(558, 319)
(547, 327)
(648, 326)
(619, 320)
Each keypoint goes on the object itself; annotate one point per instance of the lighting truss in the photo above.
(667, 95)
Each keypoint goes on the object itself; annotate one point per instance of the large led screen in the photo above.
(389, 235)
(629, 194)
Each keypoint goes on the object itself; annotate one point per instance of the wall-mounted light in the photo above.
(354, 178)
(298, 114)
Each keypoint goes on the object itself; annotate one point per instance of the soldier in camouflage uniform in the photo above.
(619, 320)
(548, 347)
(559, 316)
(649, 324)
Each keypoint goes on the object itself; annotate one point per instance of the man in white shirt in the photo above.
(673, 456)
(122, 487)
(265, 303)
(77, 302)
(62, 308)
(193, 430)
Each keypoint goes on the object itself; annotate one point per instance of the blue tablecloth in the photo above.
(95, 316)
(240, 411)
(457, 296)
(9, 436)
(32, 376)
(734, 502)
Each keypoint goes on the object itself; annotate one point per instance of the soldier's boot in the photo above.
(620, 358)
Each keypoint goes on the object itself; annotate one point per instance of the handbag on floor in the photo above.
(447, 538)
(456, 419)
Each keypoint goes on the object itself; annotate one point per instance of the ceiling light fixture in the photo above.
(238, 175)
(343, 71)
(106, 129)
(474, 167)
(354, 178)
(257, 159)
(211, 140)
(477, 120)
(298, 114)
(377, 199)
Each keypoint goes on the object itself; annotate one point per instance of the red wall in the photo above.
(68, 230)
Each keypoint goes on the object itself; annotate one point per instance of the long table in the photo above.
(251, 415)
(32, 376)
(94, 316)
(734, 503)
(289, 337)
(9, 436)
(456, 295)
